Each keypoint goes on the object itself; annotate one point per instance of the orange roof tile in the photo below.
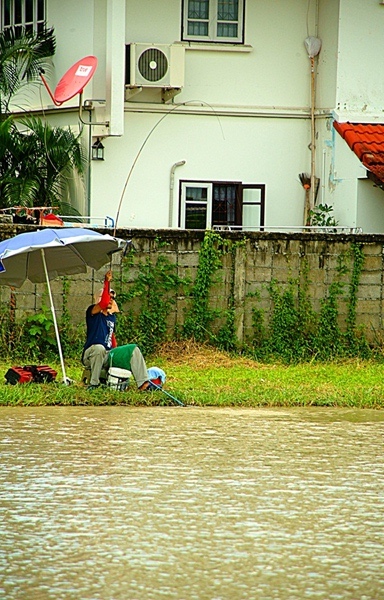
(367, 142)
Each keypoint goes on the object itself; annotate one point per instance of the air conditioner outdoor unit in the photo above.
(155, 65)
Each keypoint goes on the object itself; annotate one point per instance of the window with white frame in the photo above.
(29, 14)
(213, 20)
(204, 205)
(196, 202)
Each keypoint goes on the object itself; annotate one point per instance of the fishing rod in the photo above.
(183, 104)
(158, 387)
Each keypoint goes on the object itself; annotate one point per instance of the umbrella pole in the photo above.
(65, 380)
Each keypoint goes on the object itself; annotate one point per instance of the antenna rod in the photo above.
(41, 71)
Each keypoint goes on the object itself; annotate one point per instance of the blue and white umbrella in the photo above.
(43, 255)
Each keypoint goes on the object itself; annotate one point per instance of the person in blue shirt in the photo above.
(100, 340)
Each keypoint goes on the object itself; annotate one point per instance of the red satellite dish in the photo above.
(74, 80)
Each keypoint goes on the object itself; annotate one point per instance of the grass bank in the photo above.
(203, 376)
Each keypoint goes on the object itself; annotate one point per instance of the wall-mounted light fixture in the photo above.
(313, 46)
(98, 150)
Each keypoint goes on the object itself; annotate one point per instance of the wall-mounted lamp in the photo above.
(313, 46)
(98, 150)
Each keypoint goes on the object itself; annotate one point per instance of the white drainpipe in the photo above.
(171, 186)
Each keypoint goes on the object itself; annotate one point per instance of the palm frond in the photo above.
(38, 163)
(22, 54)
(19, 191)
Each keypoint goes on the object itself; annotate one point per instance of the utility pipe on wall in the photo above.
(171, 186)
(323, 176)
(313, 46)
(313, 134)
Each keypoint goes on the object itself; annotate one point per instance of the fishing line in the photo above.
(160, 389)
(316, 16)
(147, 138)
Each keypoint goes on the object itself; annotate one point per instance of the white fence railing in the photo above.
(290, 229)
(76, 221)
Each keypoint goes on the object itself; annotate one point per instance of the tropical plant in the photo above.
(321, 216)
(37, 161)
(23, 54)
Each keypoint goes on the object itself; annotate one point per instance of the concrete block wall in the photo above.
(264, 257)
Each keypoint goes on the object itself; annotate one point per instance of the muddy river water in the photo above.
(115, 503)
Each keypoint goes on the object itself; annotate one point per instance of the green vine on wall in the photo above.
(358, 262)
(38, 334)
(226, 338)
(148, 291)
(200, 314)
(355, 337)
(296, 332)
(327, 342)
(155, 287)
(200, 317)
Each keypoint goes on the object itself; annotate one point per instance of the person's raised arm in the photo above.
(105, 296)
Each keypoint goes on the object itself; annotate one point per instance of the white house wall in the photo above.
(338, 168)
(360, 84)
(369, 206)
(273, 76)
(151, 21)
(328, 31)
(215, 149)
(73, 22)
(350, 85)
(274, 73)
(244, 113)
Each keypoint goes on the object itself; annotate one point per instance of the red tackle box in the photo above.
(30, 373)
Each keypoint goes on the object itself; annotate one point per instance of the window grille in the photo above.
(28, 14)
(213, 20)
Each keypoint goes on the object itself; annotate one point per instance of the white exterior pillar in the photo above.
(115, 67)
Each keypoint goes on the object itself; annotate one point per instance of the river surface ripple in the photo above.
(114, 503)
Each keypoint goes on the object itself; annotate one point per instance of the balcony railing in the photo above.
(290, 228)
